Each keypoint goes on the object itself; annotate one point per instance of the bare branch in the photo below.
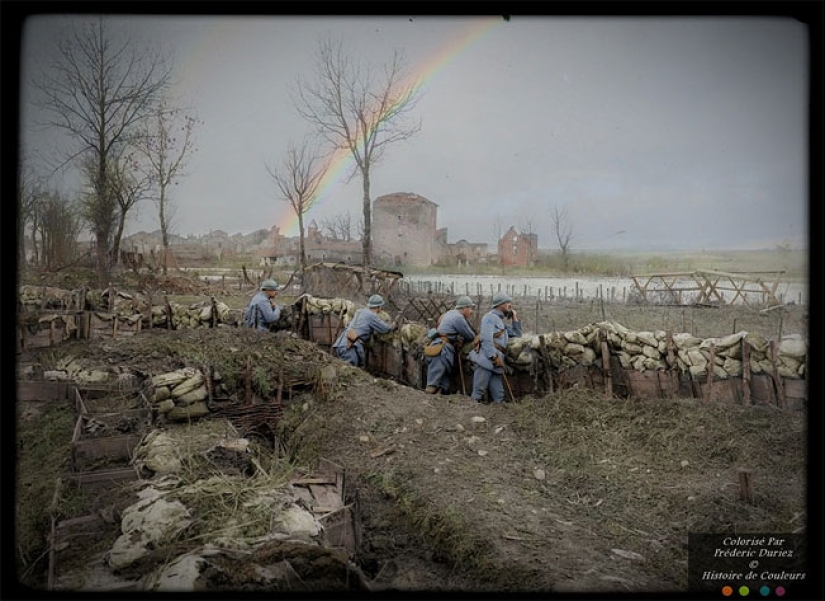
(355, 109)
(298, 181)
(98, 90)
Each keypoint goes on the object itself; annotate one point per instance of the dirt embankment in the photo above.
(568, 492)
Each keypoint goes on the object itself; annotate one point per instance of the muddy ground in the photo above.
(569, 492)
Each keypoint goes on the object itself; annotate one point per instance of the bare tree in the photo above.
(298, 182)
(97, 90)
(339, 227)
(166, 143)
(129, 186)
(357, 110)
(525, 225)
(28, 192)
(56, 223)
(498, 232)
(563, 230)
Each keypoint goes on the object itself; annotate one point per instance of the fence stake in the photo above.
(746, 373)
(745, 485)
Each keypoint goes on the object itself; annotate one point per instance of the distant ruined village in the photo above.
(404, 234)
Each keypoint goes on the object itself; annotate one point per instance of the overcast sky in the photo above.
(652, 132)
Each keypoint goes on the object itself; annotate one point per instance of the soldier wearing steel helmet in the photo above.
(262, 310)
(349, 346)
(489, 355)
(451, 332)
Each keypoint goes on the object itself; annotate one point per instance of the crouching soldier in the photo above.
(349, 346)
(489, 355)
(262, 310)
(441, 352)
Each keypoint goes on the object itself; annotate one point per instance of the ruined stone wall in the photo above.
(403, 228)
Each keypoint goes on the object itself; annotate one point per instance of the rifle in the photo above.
(460, 367)
(507, 382)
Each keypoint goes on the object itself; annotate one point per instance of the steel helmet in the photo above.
(375, 301)
(499, 298)
(464, 301)
(269, 285)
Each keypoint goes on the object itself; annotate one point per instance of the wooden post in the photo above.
(672, 367)
(777, 379)
(149, 300)
(248, 378)
(114, 326)
(709, 396)
(51, 333)
(745, 485)
(608, 374)
(208, 373)
(279, 397)
(746, 372)
(168, 312)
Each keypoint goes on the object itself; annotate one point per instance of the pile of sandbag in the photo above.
(180, 395)
(121, 303)
(70, 368)
(645, 350)
(33, 298)
(340, 307)
(412, 335)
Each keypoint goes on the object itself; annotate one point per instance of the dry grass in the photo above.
(655, 471)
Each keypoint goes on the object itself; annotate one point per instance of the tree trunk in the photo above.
(366, 243)
(164, 233)
(302, 256)
(118, 237)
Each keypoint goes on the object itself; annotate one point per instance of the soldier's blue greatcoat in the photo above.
(365, 323)
(453, 324)
(259, 313)
(486, 376)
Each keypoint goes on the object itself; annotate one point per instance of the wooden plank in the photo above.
(106, 446)
(339, 529)
(101, 478)
(644, 384)
(304, 495)
(762, 389)
(42, 390)
(308, 481)
(326, 495)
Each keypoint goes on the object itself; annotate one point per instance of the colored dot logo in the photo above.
(765, 591)
(727, 591)
(744, 591)
(780, 591)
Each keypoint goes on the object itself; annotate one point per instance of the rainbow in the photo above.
(342, 161)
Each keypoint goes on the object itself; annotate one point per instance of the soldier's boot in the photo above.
(431, 390)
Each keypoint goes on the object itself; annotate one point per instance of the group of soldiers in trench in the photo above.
(445, 341)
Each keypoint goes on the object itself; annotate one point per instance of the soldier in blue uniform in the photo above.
(349, 346)
(452, 332)
(262, 310)
(489, 355)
